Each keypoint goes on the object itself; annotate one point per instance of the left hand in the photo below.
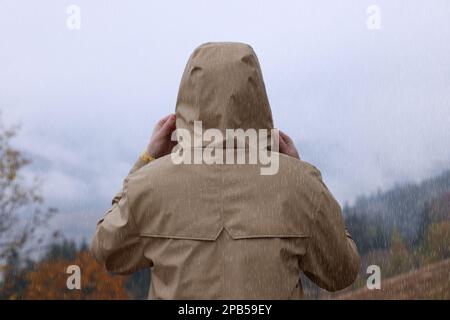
(161, 143)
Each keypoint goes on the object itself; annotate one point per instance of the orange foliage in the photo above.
(48, 281)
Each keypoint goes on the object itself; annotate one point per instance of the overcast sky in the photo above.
(369, 108)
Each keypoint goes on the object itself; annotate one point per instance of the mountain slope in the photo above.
(429, 282)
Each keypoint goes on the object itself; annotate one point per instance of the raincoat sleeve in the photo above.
(117, 244)
(332, 260)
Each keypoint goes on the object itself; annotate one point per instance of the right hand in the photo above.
(287, 146)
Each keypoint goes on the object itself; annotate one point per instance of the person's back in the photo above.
(226, 231)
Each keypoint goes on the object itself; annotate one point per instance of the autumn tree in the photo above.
(14, 282)
(21, 203)
(436, 245)
(400, 258)
(48, 281)
(21, 215)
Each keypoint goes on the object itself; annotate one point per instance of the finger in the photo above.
(285, 137)
(282, 144)
(282, 136)
(162, 121)
(278, 134)
(169, 125)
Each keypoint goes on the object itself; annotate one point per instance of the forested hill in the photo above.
(405, 208)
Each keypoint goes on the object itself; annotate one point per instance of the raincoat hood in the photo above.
(222, 86)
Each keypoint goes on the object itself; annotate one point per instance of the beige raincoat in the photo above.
(224, 231)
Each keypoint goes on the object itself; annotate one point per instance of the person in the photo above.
(224, 231)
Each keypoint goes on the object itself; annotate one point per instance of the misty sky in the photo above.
(369, 108)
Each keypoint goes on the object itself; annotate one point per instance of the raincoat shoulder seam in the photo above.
(168, 236)
(130, 212)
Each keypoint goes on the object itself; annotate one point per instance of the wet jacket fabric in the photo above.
(224, 231)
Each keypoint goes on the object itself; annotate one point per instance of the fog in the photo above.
(370, 108)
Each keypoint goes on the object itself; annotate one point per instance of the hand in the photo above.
(161, 142)
(287, 146)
